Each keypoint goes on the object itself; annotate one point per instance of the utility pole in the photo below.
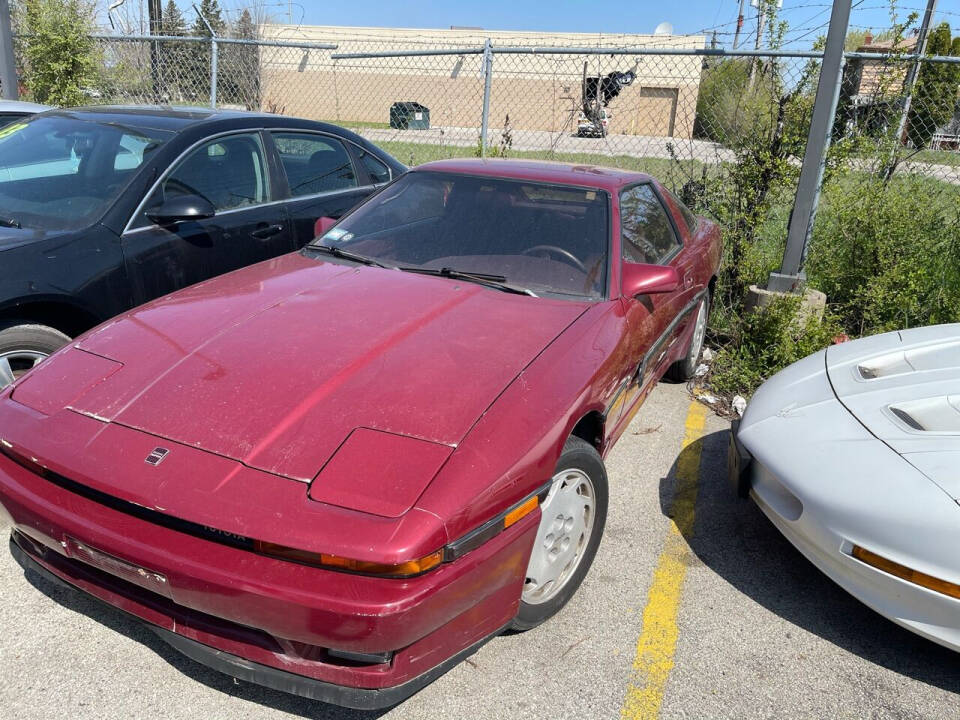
(8, 64)
(921, 49)
(736, 35)
(761, 20)
(156, 28)
(814, 158)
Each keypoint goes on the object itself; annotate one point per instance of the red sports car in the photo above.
(339, 472)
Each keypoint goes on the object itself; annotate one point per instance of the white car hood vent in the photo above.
(938, 356)
(904, 387)
(937, 414)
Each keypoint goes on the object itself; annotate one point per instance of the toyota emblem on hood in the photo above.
(156, 457)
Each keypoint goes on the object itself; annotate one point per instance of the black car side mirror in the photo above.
(181, 208)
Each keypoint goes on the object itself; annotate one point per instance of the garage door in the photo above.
(651, 111)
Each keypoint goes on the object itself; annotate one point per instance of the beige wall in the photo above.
(539, 92)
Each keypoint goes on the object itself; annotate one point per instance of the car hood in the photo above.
(15, 237)
(276, 365)
(904, 387)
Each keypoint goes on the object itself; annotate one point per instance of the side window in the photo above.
(689, 218)
(646, 233)
(314, 163)
(130, 152)
(378, 172)
(230, 172)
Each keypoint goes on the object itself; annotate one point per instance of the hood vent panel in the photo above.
(933, 357)
(937, 414)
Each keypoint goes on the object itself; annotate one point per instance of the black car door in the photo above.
(232, 172)
(324, 177)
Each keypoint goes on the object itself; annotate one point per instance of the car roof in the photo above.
(20, 106)
(157, 117)
(605, 178)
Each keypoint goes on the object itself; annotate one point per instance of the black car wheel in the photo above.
(572, 518)
(22, 346)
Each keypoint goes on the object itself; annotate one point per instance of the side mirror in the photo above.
(639, 279)
(180, 208)
(322, 225)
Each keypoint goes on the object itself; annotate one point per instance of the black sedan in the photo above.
(104, 208)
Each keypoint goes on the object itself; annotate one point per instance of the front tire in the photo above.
(686, 367)
(24, 345)
(572, 518)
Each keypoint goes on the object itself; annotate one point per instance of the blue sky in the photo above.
(807, 19)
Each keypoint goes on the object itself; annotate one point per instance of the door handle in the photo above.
(267, 232)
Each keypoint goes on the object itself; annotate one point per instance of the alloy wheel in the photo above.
(15, 363)
(566, 524)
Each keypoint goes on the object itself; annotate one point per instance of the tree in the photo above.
(238, 76)
(199, 68)
(60, 56)
(174, 56)
(935, 95)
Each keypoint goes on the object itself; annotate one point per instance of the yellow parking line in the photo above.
(658, 638)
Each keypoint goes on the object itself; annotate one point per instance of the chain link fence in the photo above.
(679, 111)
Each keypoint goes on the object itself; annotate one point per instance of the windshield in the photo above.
(550, 239)
(60, 173)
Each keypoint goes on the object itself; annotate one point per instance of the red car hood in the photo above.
(275, 365)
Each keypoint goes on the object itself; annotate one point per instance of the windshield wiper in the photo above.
(11, 223)
(347, 255)
(497, 282)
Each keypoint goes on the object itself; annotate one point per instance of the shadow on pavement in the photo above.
(135, 630)
(735, 540)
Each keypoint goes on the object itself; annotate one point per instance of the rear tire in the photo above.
(686, 367)
(571, 524)
(24, 345)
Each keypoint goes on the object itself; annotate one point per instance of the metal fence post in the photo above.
(213, 57)
(487, 77)
(920, 49)
(815, 156)
(213, 71)
(8, 64)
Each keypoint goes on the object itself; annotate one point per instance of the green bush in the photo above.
(61, 57)
(888, 254)
(730, 108)
(935, 97)
(767, 339)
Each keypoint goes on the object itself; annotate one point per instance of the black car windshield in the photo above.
(549, 239)
(61, 173)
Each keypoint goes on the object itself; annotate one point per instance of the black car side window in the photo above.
(314, 163)
(646, 233)
(230, 172)
(377, 171)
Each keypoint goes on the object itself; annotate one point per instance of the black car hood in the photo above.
(15, 237)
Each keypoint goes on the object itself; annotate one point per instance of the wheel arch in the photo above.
(591, 428)
(58, 313)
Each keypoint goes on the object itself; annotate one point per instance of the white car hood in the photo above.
(904, 387)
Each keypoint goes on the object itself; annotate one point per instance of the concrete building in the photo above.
(537, 92)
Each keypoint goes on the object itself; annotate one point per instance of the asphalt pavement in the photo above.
(738, 625)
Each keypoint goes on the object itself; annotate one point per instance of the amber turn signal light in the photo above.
(521, 510)
(904, 573)
(405, 569)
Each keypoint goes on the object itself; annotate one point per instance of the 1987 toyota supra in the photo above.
(339, 472)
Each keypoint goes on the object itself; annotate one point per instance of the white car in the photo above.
(12, 110)
(854, 454)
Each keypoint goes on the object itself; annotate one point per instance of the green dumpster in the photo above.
(409, 116)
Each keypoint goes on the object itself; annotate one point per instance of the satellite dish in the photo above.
(664, 28)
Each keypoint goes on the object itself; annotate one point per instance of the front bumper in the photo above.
(268, 676)
(245, 612)
(827, 484)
